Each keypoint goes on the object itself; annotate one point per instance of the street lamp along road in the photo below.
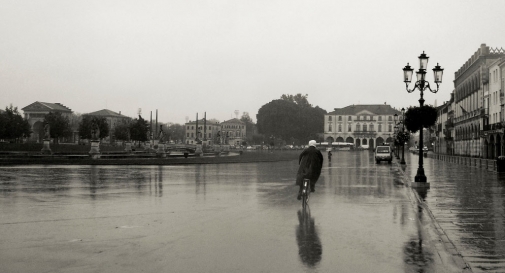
(421, 84)
(403, 132)
(396, 138)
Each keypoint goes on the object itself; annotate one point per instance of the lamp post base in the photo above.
(423, 185)
(403, 162)
(420, 178)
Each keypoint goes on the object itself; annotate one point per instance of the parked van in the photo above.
(383, 153)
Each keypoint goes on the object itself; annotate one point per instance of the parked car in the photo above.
(383, 153)
(363, 147)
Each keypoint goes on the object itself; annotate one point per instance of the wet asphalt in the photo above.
(468, 205)
(240, 218)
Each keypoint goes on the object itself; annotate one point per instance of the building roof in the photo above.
(233, 120)
(377, 109)
(46, 106)
(201, 121)
(106, 113)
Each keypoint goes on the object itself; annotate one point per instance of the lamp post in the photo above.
(395, 140)
(402, 161)
(395, 119)
(421, 84)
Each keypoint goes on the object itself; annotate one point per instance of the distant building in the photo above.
(233, 132)
(207, 132)
(112, 118)
(370, 124)
(230, 132)
(475, 95)
(35, 114)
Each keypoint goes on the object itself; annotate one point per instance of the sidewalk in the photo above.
(467, 205)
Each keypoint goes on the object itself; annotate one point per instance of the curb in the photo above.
(446, 241)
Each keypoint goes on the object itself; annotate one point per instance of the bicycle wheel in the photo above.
(305, 192)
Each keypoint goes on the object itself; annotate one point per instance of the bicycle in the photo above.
(305, 192)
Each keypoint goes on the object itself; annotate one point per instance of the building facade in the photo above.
(35, 114)
(233, 132)
(112, 118)
(360, 124)
(207, 132)
(472, 102)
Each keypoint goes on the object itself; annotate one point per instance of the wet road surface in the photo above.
(468, 203)
(214, 218)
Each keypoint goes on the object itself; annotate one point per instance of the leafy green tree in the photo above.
(299, 99)
(291, 119)
(176, 132)
(59, 125)
(13, 125)
(138, 129)
(122, 131)
(246, 118)
(86, 125)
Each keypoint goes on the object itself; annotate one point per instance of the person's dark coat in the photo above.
(311, 162)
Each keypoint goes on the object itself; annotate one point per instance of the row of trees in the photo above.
(14, 127)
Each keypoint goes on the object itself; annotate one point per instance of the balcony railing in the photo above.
(494, 126)
(449, 123)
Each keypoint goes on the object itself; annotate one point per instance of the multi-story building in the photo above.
(444, 131)
(206, 131)
(35, 114)
(472, 101)
(233, 132)
(494, 131)
(370, 124)
(112, 118)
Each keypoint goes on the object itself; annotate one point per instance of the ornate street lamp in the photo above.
(421, 84)
(403, 142)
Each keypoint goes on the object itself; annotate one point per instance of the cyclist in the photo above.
(329, 155)
(311, 162)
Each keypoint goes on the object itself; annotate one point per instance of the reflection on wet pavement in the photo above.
(309, 245)
(211, 218)
(469, 205)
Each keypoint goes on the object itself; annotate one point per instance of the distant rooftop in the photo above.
(106, 113)
(378, 109)
(47, 106)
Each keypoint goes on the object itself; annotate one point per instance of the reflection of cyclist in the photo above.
(310, 248)
(329, 156)
(311, 162)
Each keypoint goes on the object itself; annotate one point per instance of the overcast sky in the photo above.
(187, 57)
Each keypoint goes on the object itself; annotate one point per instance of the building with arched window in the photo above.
(35, 114)
(361, 122)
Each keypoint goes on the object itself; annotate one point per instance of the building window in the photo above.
(330, 128)
(349, 128)
(187, 134)
(390, 127)
(371, 127)
(192, 134)
(340, 127)
(390, 118)
(350, 118)
(364, 127)
(358, 127)
(329, 118)
(380, 118)
(339, 118)
(380, 127)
